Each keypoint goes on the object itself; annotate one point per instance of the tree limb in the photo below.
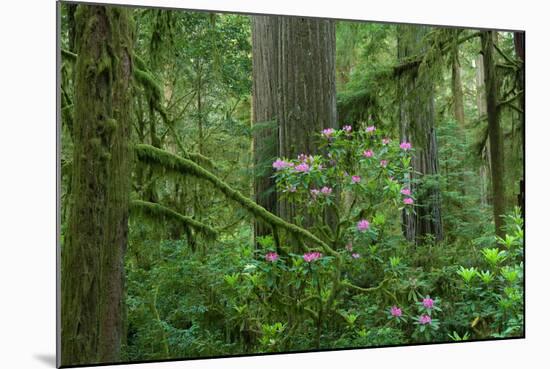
(153, 155)
(156, 209)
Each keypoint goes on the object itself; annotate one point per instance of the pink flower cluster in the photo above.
(424, 319)
(302, 168)
(281, 164)
(356, 179)
(407, 200)
(371, 129)
(368, 153)
(428, 303)
(347, 128)
(312, 256)
(355, 255)
(327, 132)
(405, 145)
(271, 256)
(308, 159)
(383, 163)
(325, 191)
(385, 141)
(363, 225)
(395, 311)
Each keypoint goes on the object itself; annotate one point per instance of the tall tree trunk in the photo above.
(519, 42)
(307, 89)
(485, 166)
(417, 125)
(264, 113)
(92, 271)
(458, 105)
(458, 96)
(495, 134)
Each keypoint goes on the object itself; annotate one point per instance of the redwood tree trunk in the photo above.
(92, 271)
(495, 134)
(264, 113)
(417, 125)
(307, 88)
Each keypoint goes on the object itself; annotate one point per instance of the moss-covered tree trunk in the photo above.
(264, 113)
(485, 165)
(495, 133)
(92, 272)
(307, 88)
(417, 125)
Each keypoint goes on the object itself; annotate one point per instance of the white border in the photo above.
(27, 184)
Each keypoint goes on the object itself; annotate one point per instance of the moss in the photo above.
(149, 83)
(159, 211)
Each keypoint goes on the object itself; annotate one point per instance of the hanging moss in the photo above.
(171, 162)
(159, 211)
(148, 82)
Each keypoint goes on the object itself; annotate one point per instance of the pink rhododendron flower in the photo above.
(363, 225)
(425, 319)
(281, 164)
(405, 145)
(395, 311)
(312, 256)
(356, 179)
(383, 163)
(271, 256)
(355, 255)
(347, 128)
(327, 132)
(408, 201)
(371, 129)
(406, 192)
(368, 153)
(385, 141)
(428, 303)
(326, 190)
(349, 246)
(303, 167)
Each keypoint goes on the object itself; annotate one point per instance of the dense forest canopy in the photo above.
(237, 184)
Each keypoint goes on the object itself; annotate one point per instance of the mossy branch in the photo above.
(415, 61)
(362, 289)
(69, 55)
(158, 210)
(153, 155)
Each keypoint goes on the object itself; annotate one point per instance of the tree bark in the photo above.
(92, 271)
(307, 89)
(417, 125)
(485, 166)
(495, 134)
(264, 113)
